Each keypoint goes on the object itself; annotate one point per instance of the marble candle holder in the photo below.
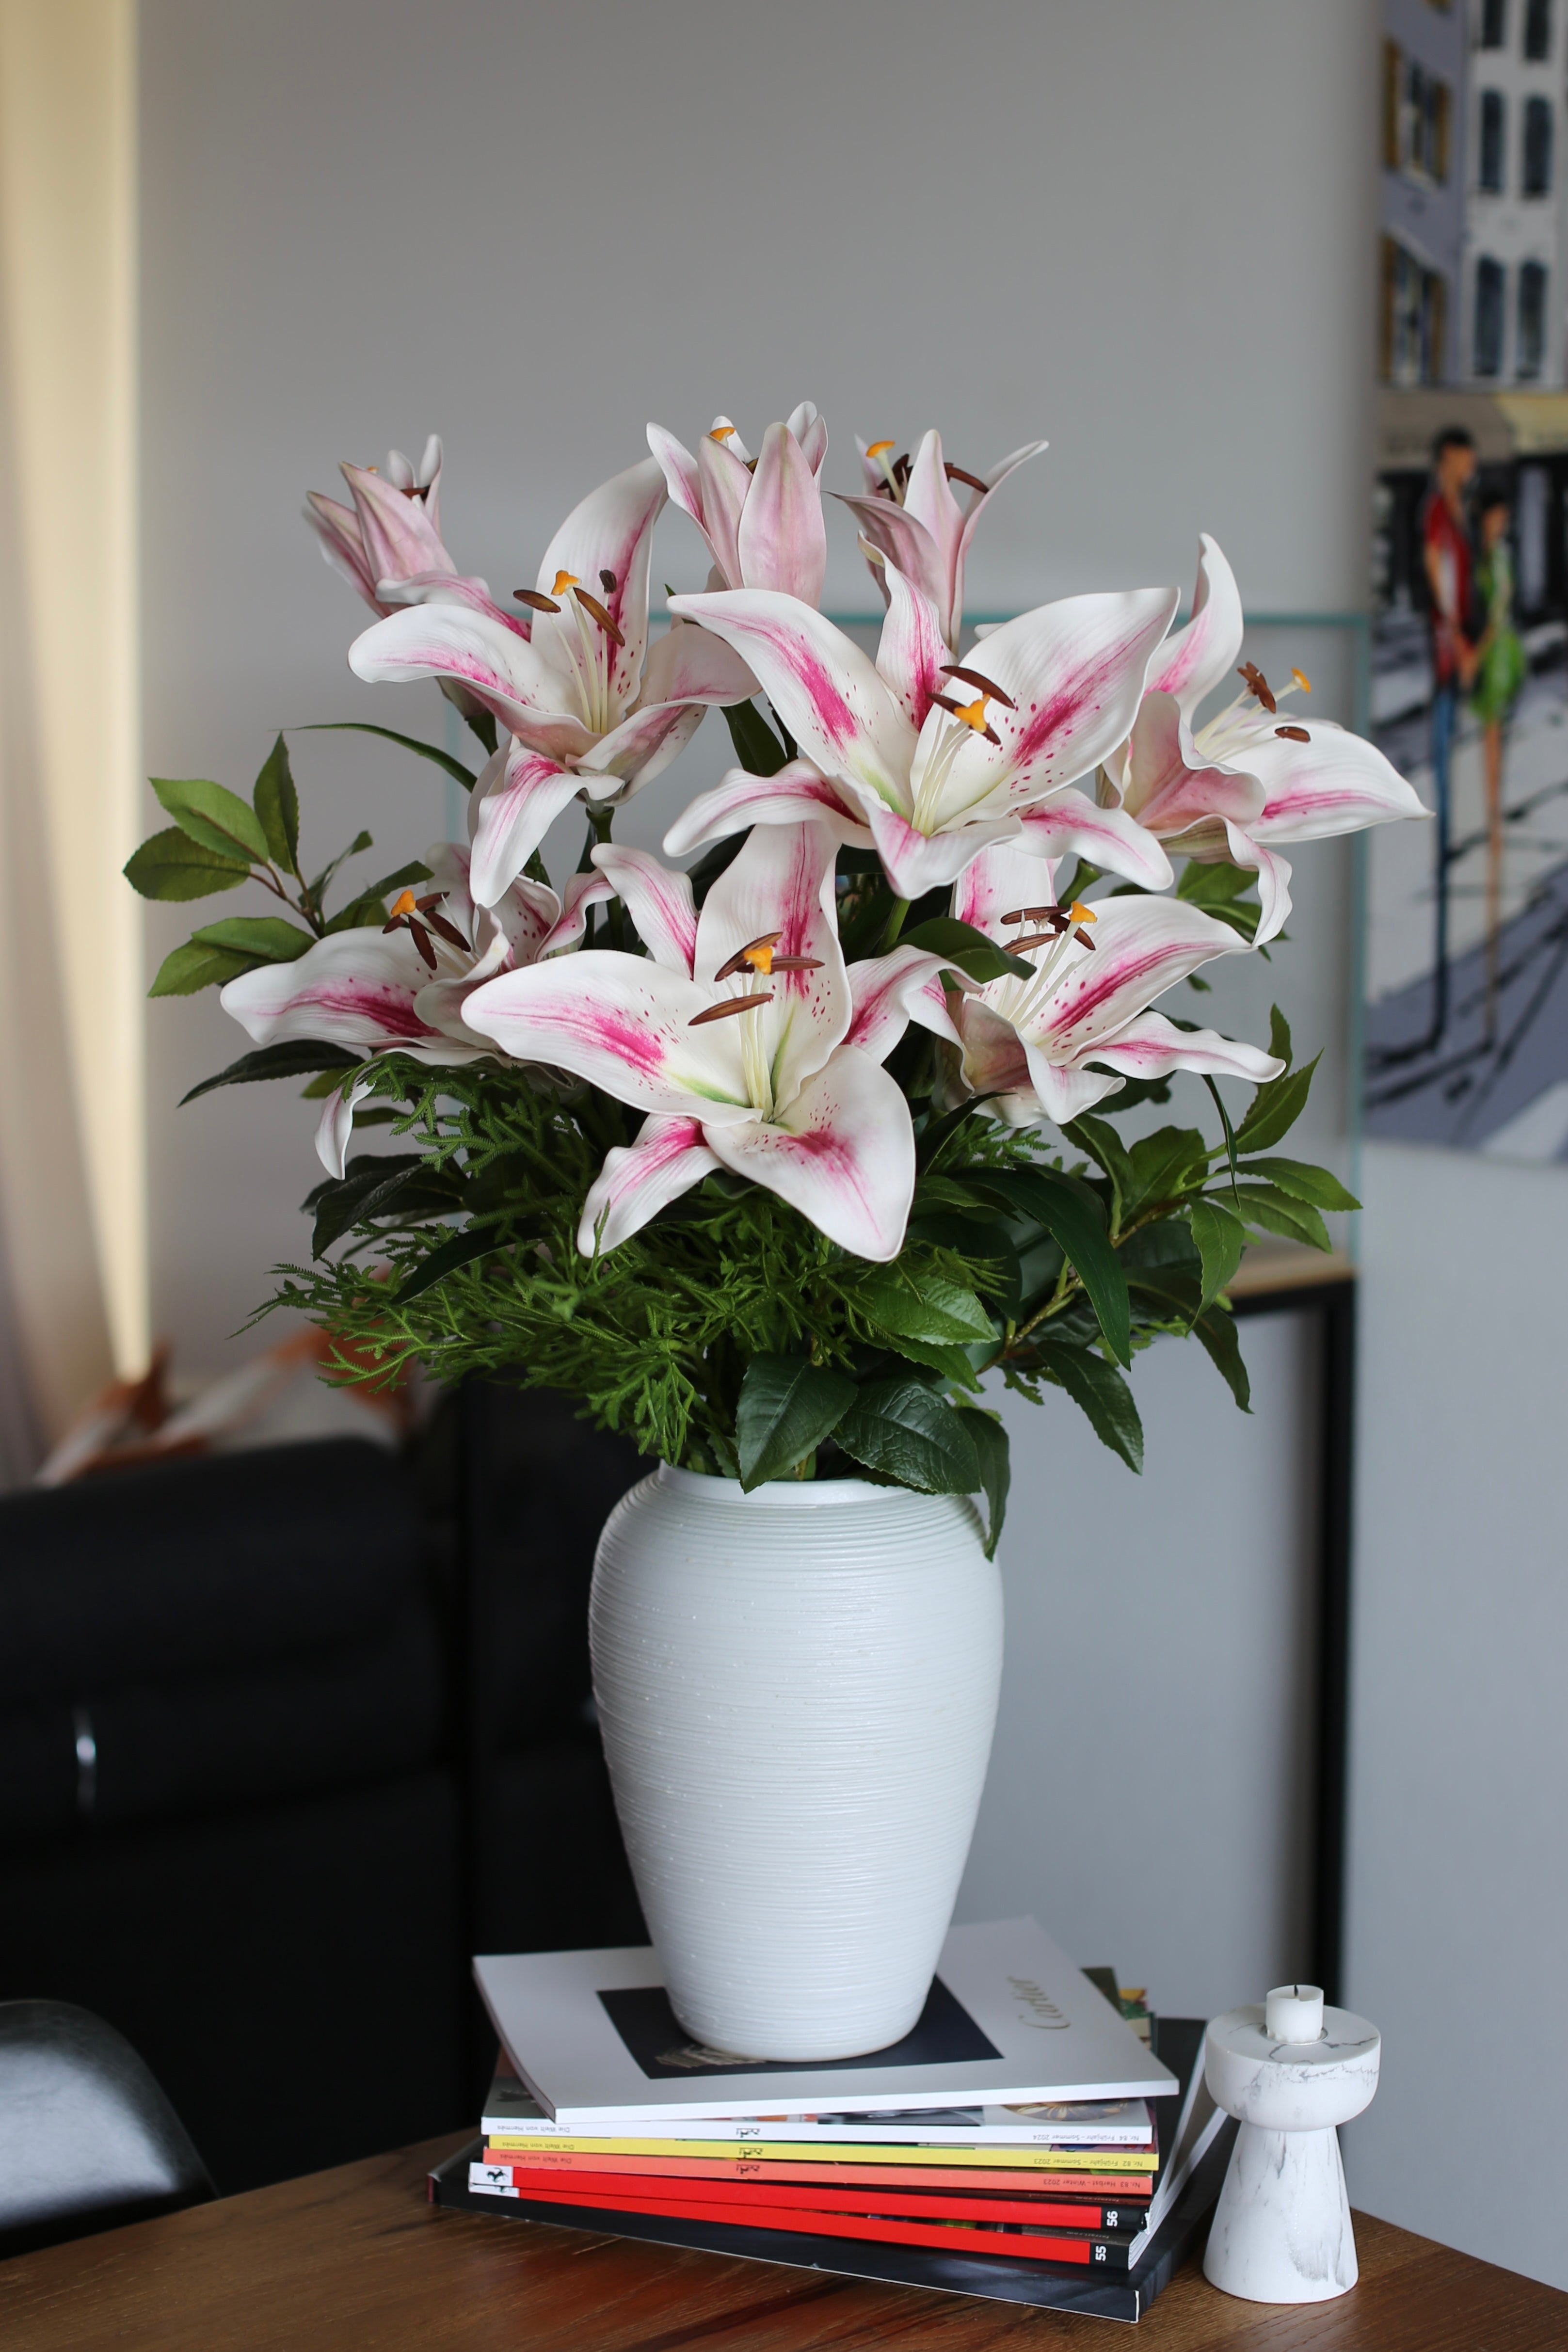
(1291, 2072)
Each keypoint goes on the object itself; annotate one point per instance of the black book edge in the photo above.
(1101, 2293)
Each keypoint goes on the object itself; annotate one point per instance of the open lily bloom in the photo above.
(1027, 1043)
(736, 1035)
(403, 990)
(910, 517)
(1249, 777)
(933, 760)
(590, 711)
(761, 516)
(391, 532)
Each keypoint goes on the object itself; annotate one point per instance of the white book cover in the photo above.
(1009, 2022)
(511, 2114)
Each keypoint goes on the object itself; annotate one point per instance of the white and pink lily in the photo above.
(403, 990)
(910, 518)
(760, 516)
(930, 759)
(589, 710)
(391, 532)
(1251, 777)
(742, 1035)
(1027, 1044)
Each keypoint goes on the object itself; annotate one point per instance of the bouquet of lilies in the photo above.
(773, 1157)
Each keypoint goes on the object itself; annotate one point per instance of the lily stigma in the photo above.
(1064, 929)
(965, 719)
(757, 959)
(590, 656)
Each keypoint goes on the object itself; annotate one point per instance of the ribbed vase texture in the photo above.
(797, 1689)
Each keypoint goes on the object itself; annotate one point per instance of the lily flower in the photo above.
(735, 1034)
(1251, 777)
(930, 759)
(404, 989)
(590, 713)
(760, 516)
(910, 516)
(1028, 1044)
(391, 532)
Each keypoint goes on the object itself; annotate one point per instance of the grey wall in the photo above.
(1148, 231)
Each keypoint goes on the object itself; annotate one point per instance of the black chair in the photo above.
(87, 2139)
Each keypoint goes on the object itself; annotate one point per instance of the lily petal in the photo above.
(1273, 872)
(902, 542)
(582, 891)
(691, 665)
(918, 862)
(995, 477)
(1004, 879)
(796, 793)
(892, 991)
(353, 988)
(1152, 1046)
(335, 1129)
(659, 901)
(518, 797)
(782, 541)
(1070, 824)
(623, 1022)
(1168, 787)
(505, 673)
(1142, 947)
(823, 686)
(641, 747)
(609, 530)
(1333, 783)
(724, 482)
(681, 478)
(911, 651)
(809, 430)
(398, 531)
(337, 529)
(843, 1154)
(1200, 656)
(635, 1183)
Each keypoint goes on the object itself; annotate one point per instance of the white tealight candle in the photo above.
(1294, 2013)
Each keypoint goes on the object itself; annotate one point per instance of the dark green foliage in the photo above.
(729, 1335)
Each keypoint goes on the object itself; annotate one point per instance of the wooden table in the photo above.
(355, 2259)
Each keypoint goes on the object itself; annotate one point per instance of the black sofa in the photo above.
(284, 1736)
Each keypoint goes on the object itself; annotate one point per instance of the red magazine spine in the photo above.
(739, 2197)
(1035, 2246)
(1123, 2189)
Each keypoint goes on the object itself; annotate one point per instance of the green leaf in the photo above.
(474, 1241)
(757, 748)
(415, 871)
(951, 1362)
(442, 760)
(1278, 1036)
(1165, 1163)
(292, 1058)
(787, 1406)
(264, 939)
(1228, 1131)
(1100, 1391)
(213, 816)
(277, 807)
(1072, 1216)
(1221, 1237)
(1216, 1330)
(1106, 1149)
(909, 1432)
(960, 943)
(195, 967)
(1276, 1213)
(1275, 1108)
(376, 1185)
(1215, 885)
(317, 889)
(992, 1452)
(1304, 1182)
(366, 914)
(923, 1307)
(170, 864)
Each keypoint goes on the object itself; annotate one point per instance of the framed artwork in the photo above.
(1466, 939)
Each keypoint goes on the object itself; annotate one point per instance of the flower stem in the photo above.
(895, 924)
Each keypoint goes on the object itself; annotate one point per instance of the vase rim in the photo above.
(787, 1494)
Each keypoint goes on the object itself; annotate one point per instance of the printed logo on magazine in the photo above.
(1044, 2015)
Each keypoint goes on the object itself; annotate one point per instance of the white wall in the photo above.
(1148, 231)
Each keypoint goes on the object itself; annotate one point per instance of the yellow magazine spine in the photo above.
(1008, 2158)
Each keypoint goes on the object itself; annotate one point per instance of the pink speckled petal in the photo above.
(658, 900)
(623, 1022)
(635, 1183)
(843, 1153)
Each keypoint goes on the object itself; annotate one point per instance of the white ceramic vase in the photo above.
(797, 1689)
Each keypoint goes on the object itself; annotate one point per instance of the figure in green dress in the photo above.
(1501, 672)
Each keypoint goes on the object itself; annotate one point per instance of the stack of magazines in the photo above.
(1024, 2142)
